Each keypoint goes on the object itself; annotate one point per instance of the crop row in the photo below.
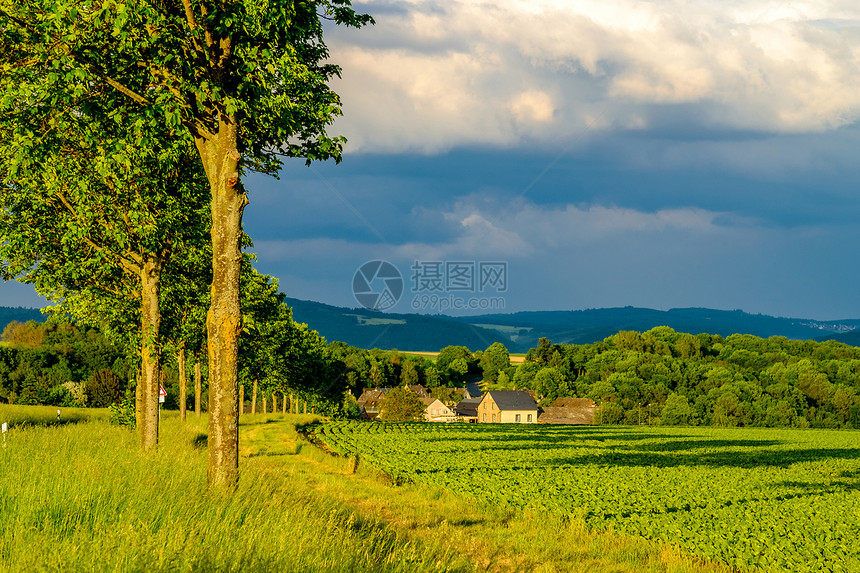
(769, 498)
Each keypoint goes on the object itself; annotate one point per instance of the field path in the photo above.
(491, 538)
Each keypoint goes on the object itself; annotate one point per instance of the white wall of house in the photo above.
(436, 411)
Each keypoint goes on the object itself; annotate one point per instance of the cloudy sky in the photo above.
(610, 152)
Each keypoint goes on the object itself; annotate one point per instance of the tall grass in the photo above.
(47, 415)
(80, 497)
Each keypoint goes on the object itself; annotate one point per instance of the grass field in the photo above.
(81, 497)
(781, 500)
(515, 358)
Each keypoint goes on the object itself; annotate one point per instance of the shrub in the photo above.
(104, 388)
(77, 392)
(122, 413)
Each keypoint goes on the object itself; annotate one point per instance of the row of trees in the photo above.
(659, 376)
(62, 363)
(126, 128)
(678, 378)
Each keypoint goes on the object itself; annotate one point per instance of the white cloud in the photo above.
(431, 76)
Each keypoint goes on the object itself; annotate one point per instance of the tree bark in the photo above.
(183, 383)
(198, 387)
(220, 158)
(150, 277)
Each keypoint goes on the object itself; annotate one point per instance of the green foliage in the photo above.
(494, 360)
(104, 388)
(122, 413)
(401, 405)
(740, 380)
(677, 411)
(550, 383)
(780, 500)
(56, 371)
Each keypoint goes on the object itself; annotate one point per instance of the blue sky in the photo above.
(612, 152)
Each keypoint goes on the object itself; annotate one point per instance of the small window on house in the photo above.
(494, 417)
(485, 417)
(518, 418)
(529, 417)
(493, 405)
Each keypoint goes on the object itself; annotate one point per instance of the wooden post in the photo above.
(264, 404)
(285, 403)
(274, 403)
(306, 406)
(254, 399)
(292, 405)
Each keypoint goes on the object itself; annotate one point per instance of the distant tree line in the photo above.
(656, 377)
(667, 377)
(66, 363)
(60, 364)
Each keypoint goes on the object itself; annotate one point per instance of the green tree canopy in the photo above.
(401, 405)
(245, 82)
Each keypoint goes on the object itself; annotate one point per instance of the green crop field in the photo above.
(782, 500)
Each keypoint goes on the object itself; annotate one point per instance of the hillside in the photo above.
(520, 331)
(368, 329)
(586, 326)
(21, 314)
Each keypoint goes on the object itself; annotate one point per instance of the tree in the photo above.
(103, 388)
(549, 383)
(677, 411)
(451, 353)
(92, 225)
(401, 405)
(409, 373)
(245, 81)
(494, 360)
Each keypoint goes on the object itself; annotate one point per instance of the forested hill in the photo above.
(368, 329)
(21, 314)
(522, 330)
(592, 325)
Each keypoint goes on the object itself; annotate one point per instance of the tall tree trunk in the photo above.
(198, 387)
(220, 158)
(183, 382)
(150, 278)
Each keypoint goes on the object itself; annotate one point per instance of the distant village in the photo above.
(493, 407)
